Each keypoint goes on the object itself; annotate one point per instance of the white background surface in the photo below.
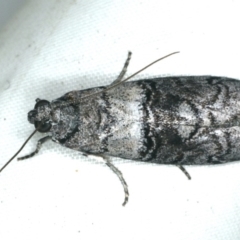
(50, 47)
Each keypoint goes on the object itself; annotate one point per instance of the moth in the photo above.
(179, 120)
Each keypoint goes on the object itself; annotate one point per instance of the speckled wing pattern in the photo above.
(188, 120)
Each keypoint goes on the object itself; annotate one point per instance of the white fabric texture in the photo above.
(51, 47)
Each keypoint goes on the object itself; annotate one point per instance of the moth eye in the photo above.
(44, 127)
(32, 116)
(41, 103)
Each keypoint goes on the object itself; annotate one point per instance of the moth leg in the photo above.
(124, 70)
(184, 171)
(120, 176)
(118, 173)
(39, 145)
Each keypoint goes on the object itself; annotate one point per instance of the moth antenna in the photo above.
(128, 78)
(118, 83)
(20, 149)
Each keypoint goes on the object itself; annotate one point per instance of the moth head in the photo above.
(40, 116)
